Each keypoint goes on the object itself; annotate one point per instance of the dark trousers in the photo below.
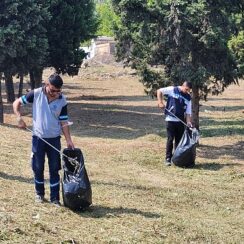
(39, 150)
(175, 131)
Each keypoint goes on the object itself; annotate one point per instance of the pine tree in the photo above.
(23, 41)
(35, 34)
(172, 41)
(71, 23)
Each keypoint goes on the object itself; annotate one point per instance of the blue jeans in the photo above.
(39, 150)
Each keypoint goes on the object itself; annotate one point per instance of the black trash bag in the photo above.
(185, 153)
(76, 187)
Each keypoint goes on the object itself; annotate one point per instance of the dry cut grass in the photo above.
(135, 198)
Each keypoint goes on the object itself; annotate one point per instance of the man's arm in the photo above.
(188, 114)
(160, 94)
(16, 108)
(160, 99)
(189, 120)
(28, 98)
(65, 129)
(63, 118)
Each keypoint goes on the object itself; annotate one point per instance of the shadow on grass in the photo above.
(227, 131)
(123, 185)
(235, 151)
(115, 121)
(212, 122)
(226, 108)
(221, 127)
(99, 211)
(213, 166)
(110, 98)
(225, 99)
(68, 87)
(16, 178)
(128, 122)
(111, 120)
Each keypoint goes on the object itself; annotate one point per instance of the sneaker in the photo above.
(39, 199)
(167, 162)
(56, 203)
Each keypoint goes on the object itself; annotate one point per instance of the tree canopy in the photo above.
(172, 41)
(71, 23)
(35, 34)
(23, 40)
(236, 45)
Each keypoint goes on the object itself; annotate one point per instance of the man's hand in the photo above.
(21, 123)
(189, 124)
(70, 144)
(161, 105)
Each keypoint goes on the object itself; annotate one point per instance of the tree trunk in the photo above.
(195, 106)
(32, 80)
(21, 82)
(1, 101)
(36, 78)
(9, 84)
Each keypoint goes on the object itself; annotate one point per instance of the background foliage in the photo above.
(168, 42)
(108, 20)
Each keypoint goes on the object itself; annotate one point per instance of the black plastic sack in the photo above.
(185, 153)
(76, 187)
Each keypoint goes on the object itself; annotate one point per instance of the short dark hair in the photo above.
(188, 84)
(55, 80)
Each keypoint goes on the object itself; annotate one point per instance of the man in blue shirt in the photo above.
(179, 104)
(50, 117)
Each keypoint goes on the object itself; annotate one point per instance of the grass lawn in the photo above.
(136, 199)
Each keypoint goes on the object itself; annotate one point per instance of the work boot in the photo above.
(39, 199)
(167, 162)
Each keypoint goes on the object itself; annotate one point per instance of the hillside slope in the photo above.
(136, 199)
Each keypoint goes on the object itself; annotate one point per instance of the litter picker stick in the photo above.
(47, 143)
(169, 110)
(72, 160)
